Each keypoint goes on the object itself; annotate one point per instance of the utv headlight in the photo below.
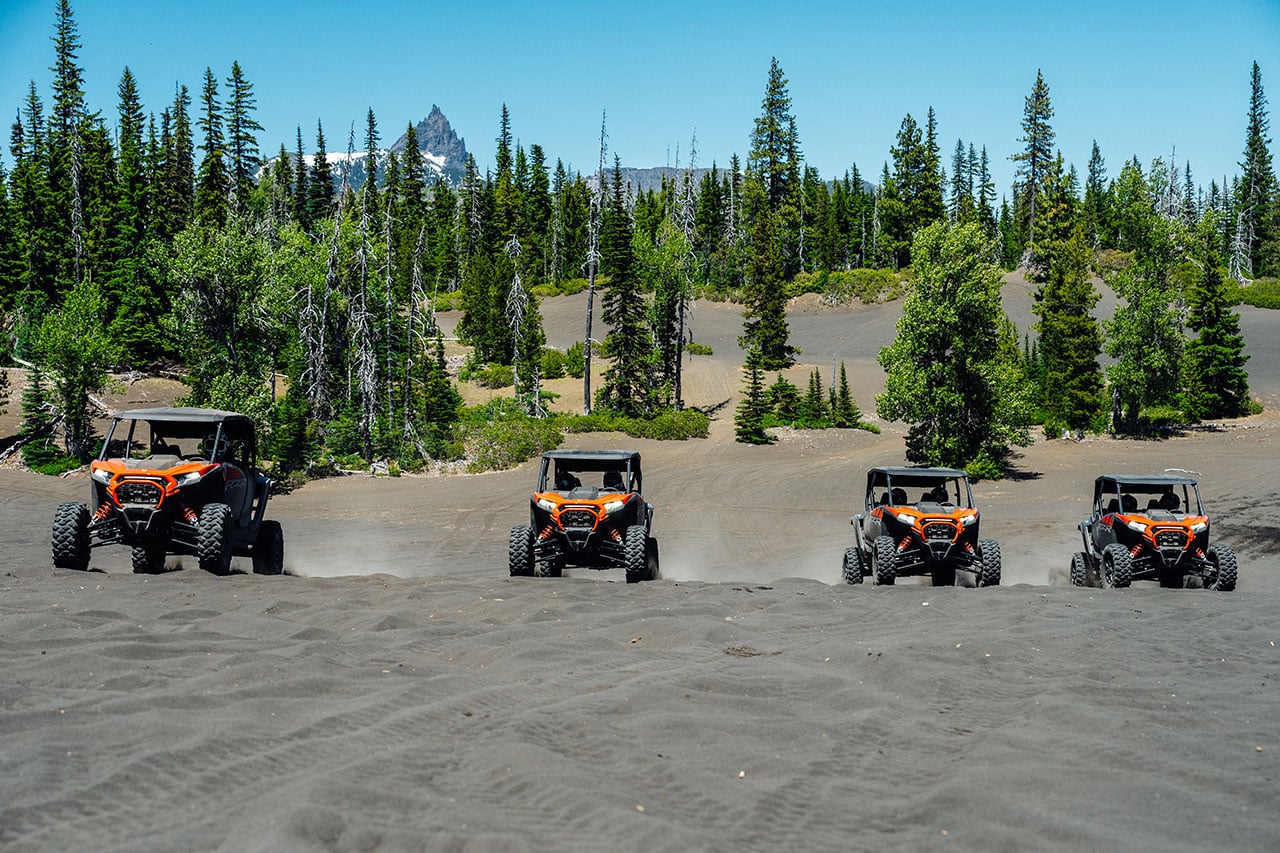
(102, 475)
(1137, 526)
(188, 478)
(1200, 527)
(614, 506)
(543, 503)
(904, 518)
(966, 520)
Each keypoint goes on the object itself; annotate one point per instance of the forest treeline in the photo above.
(170, 240)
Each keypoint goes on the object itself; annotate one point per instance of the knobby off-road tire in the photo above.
(635, 548)
(851, 567)
(990, 549)
(651, 559)
(268, 550)
(520, 552)
(70, 538)
(884, 562)
(1117, 566)
(1079, 569)
(1225, 559)
(147, 561)
(213, 539)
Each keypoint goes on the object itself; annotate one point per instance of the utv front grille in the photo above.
(578, 517)
(1171, 539)
(936, 530)
(138, 492)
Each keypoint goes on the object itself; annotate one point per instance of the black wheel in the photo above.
(990, 549)
(147, 561)
(268, 550)
(635, 547)
(1079, 569)
(851, 567)
(1117, 566)
(70, 539)
(651, 559)
(1225, 559)
(884, 561)
(520, 552)
(213, 540)
(549, 564)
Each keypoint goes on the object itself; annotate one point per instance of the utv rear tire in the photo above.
(213, 539)
(1117, 566)
(268, 550)
(1225, 559)
(651, 559)
(1079, 569)
(147, 561)
(520, 552)
(885, 561)
(70, 540)
(990, 549)
(851, 568)
(635, 548)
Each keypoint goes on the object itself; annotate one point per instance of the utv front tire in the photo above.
(268, 550)
(213, 539)
(520, 552)
(147, 561)
(70, 540)
(1225, 559)
(851, 568)
(1117, 565)
(885, 561)
(635, 548)
(990, 549)
(651, 559)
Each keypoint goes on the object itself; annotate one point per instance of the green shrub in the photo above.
(552, 364)
(668, 425)
(489, 375)
(1262, 293)
(843, 286)
(499, 435)
(575, 362)
(695, 348)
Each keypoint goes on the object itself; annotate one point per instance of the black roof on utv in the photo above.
(905, 475)
(182, 414)
(1147, 479)
(605, 458)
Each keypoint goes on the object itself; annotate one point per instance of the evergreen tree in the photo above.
(784, 400)
(320, 190)
(1215, 382)
(815, 409)
(212, 181)
(39, 423)
(1097, 220)
(948, 374)
(242, 143)
(1037, 154)
(301, 188)
(748, 418)
(765, 329)
(628, 380)
(844, 410)
(774, 161)
(1070, 339)
(1256, 194)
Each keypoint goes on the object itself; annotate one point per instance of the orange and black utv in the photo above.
(1150, 527)
(587, 511)
(174, 481)
(920, 521)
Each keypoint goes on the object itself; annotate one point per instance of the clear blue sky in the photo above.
(1152, 78)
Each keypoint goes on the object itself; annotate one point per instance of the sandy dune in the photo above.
(401, 693)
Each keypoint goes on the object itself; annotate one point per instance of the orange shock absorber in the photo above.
(189, 514)
(1136, 550)
(613, 532)
(103, 511)
(545, 533)
(905, 543)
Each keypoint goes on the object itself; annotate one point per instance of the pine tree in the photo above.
(39, 423)
(320, 190)
(815, 409)
(748, 418)
(1070, 339)
(844, 411)
(1256, 195)
(765, 328)
(1037, 154)
(212, 181)
(301, 188)
(1097, 224)
(242, 143)
(784, 400)
(774, 161)
(1215, 382)
(628, 380)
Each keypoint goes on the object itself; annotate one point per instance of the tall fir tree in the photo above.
(628, 380)
(1037, 152)
(765, 328)
(320, 189)
(1215, 383)
(242, 140)
(1256, 196)
(1070, 338)
(748, 418)
(212, 180)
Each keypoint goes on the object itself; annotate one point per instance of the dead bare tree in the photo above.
(363, 351)
(593, 263)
